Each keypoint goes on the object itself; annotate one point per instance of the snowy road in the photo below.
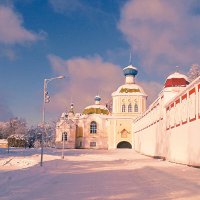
(95, 175)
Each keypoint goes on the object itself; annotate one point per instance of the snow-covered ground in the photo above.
(118, 174)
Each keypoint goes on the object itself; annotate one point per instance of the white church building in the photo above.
(97, 127)
(169, 128)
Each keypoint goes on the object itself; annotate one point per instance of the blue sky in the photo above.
(89, 42)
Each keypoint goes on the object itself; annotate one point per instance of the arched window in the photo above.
(135, 107)
(130, 108)
(93, 127)
(123, 108)
(64, 136)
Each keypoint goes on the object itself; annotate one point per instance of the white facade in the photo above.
(170, 127)
(97, 128)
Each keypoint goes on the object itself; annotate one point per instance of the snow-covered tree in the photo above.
(49, 135)
(15, 126)
(34, 135)
(2, 128)
(194, 72)
(17, 141)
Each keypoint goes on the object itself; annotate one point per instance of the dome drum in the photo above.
(97, 108)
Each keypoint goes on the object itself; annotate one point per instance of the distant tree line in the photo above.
(19, 135)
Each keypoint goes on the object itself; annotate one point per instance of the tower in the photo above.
(129, 102)
(129, 99)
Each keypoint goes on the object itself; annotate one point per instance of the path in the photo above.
(101, 175)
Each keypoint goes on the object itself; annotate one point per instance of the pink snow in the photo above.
(120, 174)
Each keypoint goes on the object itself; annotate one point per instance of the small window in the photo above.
(123, 108)
(93, 127)
(64, 136)
(130, 108)
(92, 144)
(135, 107)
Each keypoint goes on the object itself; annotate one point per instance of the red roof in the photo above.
(176, 82)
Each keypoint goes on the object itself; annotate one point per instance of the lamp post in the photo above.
(63, 144)
(46, 99)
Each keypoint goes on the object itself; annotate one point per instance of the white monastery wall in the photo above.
(183, 126)
(172, 130)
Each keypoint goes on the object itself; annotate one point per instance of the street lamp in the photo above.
(46, 99)
(63, 144)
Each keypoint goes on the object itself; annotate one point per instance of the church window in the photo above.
(64, 136)
(92, 144)
(130, 108)
(123, 108)
(93, 127)
(135, 107)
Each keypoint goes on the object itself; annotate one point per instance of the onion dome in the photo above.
(97, 99)
(96, 108)
(130, 71)
(176, 80)
(130, 88)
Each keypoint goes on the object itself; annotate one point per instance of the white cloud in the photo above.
(86, 77)
(163, 33)
(152, 89)
(11, 28)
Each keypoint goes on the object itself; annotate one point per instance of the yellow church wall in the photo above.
(119, 130)
(71, 135)
(85, 139)
(79, 132)
(123, 128)
(111, 133)
(118, 101)
(117, 126)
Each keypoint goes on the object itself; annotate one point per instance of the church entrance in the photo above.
(124, 144)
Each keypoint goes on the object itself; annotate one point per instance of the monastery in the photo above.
(167, 129)
(99, 128)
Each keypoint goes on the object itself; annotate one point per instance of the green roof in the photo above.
(127, 90)
(89, 111)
